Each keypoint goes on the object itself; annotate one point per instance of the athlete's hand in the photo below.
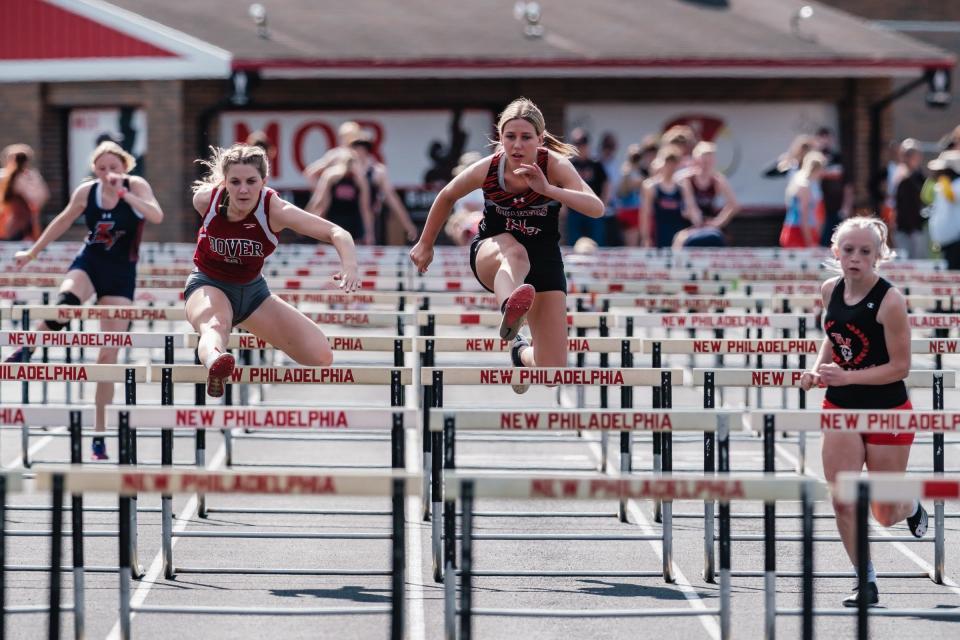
(115, 180)
(348, 279)
(21, 258)
(422, 256)
(533, 176)
(832, 375)
(809, 380)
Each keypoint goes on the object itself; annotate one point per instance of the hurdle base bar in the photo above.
(830, 574)
(63, 568)
(953, 614)
(278, 571)
(640, 537)
(264, 611)
(799, 538)
(274, 535)
(564, 574)
(35, 608)
(306, 512)
(594, 613)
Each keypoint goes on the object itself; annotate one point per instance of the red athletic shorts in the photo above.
(897, 439)
(629, 217)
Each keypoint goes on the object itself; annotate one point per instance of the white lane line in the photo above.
(680, 580)
(685, 586)
(883, 531)
(156, 567)
(416, 577)
(32, 451)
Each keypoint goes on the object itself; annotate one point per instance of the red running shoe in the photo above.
(515, 311)
(219, 371)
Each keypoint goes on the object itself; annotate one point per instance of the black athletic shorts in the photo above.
(546, 267)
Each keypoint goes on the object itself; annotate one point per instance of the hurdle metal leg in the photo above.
(56, 552)
(397, 596)
(76, 514)
(863, 557)
(3, 556)
(125, 567)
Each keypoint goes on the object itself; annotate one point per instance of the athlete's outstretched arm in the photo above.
(470, 179)
(284, 215)
(567, 188)
(57, 227)
(140, 197)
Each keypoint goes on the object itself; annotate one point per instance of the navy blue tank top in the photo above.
(114, 234)
(858, 343)
(668, 214)
(530, 217)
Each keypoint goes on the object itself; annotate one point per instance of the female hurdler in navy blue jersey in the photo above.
(516, 254)
(114, 206)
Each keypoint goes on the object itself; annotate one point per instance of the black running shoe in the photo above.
(873, 596)
(918, 522)
(20, 355)
(519, 344)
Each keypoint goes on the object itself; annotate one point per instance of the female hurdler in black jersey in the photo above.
(516, 254)
(114, 206)
(863, 361)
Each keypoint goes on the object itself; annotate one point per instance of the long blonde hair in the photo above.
(222, 159)
(525, 109)
(884, 252)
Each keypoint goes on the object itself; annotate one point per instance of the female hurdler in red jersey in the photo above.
(516, 254)
(242, 220)
(863, 361)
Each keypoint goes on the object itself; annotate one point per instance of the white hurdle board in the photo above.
(259, 418)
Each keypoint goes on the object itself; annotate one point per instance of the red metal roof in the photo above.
(35, 30)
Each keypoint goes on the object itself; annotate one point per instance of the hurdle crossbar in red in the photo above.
(498, 345)
(70, 372)
(666, 487)
(720, 320)
(290, 375)
(134, 481)
(896, 487)
(862, 421)
(635, 377)
(45, 415)
(791, 377)
(88, 339)
(580, 420)
(258, 418)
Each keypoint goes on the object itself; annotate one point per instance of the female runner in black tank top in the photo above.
(519, 230)
(343, 198)
(863, 361)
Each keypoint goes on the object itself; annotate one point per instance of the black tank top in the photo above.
(113, 234)
(858, 343)
(705, 197)
(530, 217)
(345, 206)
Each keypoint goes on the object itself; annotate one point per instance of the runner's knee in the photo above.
(64, 299)
(516, 256)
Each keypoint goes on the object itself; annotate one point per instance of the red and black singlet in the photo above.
(530, 217)
(234, 251)
(859, 343)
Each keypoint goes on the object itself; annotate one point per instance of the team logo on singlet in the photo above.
(233, 248)
(104, 234)
(847, 345)
(513, 224)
